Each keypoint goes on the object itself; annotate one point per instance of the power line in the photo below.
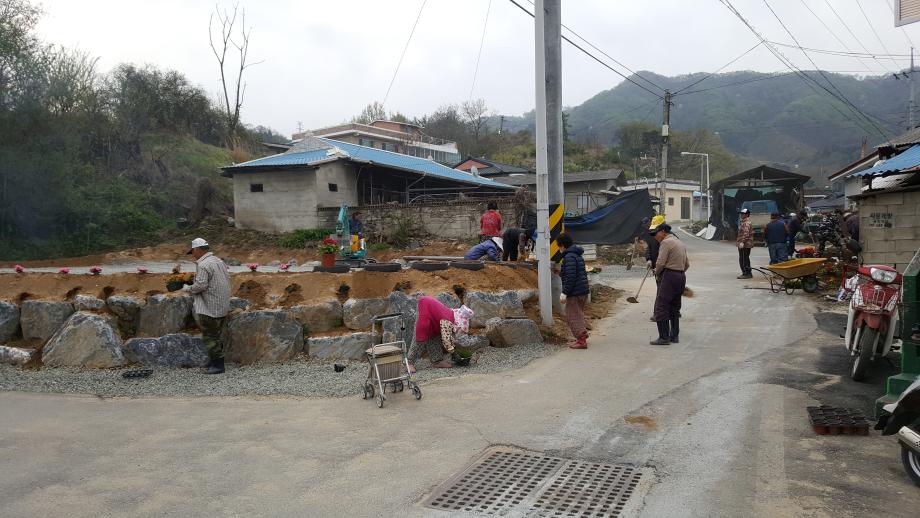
(834, 34)
(719, 69)
(812, 83)
(479, 55)
(592, 56)
(842, 53)
(821, 72)
(737, 83)
(841, 97)
(847, 27)
(611, 58)
(869, 23)
(414, 25)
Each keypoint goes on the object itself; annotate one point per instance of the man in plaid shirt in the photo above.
(211, 292)
(745, 244)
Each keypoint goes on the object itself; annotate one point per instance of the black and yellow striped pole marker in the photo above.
(556, 211)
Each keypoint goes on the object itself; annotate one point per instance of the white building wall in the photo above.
(289, 199)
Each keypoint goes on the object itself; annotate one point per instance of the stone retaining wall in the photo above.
(159, 330)
(446, 220)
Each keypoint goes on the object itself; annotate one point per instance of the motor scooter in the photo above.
(903, 418)
(872, 316)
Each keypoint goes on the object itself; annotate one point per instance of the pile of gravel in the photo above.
(308, 377)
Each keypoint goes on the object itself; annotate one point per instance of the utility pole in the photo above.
(665, 137)
(548, 77)
(910, 102)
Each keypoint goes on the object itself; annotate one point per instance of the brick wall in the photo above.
(449, 220)
(889, 228)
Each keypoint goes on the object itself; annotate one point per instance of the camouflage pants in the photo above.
(211, 328)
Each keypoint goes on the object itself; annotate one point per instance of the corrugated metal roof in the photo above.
(343, 150)
(906, 160)
(285, 159)
(580, 176)
(905, 139)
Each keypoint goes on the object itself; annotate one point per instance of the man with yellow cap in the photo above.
(651, 244)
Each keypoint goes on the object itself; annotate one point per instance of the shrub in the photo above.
(300, 237)
(380, 247)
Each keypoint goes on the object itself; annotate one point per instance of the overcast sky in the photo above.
(324, 60)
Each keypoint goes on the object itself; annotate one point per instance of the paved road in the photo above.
(725, 431)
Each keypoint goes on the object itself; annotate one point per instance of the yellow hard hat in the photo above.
(657, 220)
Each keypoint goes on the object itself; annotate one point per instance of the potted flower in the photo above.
(18, 268)
(329, 249)
(252, 266)
(95, 270)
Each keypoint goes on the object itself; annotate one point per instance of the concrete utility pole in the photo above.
(665, 138)
(548, 82)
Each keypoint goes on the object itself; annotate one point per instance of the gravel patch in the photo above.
(307, 377)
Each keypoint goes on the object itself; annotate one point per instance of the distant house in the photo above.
(584, 190)
(288, 191)
(491, 168)
(677, 197)
(854, 175)
(399, 137)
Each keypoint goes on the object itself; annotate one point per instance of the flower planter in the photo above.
(328, 260)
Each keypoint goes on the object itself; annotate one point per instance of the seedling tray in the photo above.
(828, 420)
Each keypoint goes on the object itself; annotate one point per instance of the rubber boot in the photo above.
(675, 330)
(216, 367)
(663, 334)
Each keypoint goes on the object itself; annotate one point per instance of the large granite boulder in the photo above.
(506, 332)
(85, 340)
(175, 350)
(163, 315)
(124, 307)
(263, 336)
(40, 319)
(15, 355)
(449, 299)
(9, 320)
(357, 314)
(528, 295)
(87, 303)
(486, 306)
(319, 317)
(402, 328)
(238, 303)
(350, 346)
(472, 342)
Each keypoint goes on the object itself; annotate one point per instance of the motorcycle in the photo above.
(903, 418)
(872, 316)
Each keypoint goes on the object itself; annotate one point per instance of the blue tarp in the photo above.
(906, 160)
(616, 223)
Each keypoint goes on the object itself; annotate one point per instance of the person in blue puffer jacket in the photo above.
(574, 289)
(490, 249)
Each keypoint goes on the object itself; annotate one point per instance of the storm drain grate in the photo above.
(503, 481)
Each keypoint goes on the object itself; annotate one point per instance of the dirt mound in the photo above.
(270, 289)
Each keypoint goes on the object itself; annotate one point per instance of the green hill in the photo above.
(759, 117)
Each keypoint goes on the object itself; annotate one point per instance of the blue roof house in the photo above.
(288, 191)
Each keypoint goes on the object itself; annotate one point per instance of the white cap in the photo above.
(197, 243)
(744, 211)
(792, 214)
(499, 242)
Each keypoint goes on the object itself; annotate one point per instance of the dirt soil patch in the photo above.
(601, 303)
(270, 289)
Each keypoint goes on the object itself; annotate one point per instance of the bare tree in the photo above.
(475, 114)
(227, 21)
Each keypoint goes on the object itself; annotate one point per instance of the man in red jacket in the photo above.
(490, 224)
